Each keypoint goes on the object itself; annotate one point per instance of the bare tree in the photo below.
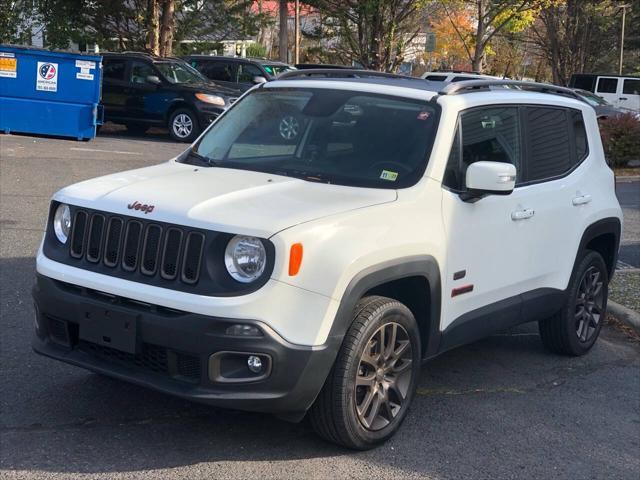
(575, 35)
(153, 27)
(283, 41)
(374, 33)
(167, 25)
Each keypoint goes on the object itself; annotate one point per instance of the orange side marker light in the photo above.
(295, 259)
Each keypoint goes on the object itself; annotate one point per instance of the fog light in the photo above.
(240, 330)
(254, 363)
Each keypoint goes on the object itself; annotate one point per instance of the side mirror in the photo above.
(259, 79)
(489, 178)
(153, 79)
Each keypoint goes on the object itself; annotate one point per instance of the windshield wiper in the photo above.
(198, 159)
(309, 176)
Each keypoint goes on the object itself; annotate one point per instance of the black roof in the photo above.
(148, 56)
(362, 76)
(262, 61)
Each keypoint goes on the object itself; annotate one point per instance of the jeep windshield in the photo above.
(323, 135)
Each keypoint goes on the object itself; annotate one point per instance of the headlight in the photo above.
(212, 99)
(62, 222)
(245, 258)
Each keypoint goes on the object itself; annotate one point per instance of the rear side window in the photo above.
(222, 71)
(607, 85)
(580, 136)
(631, 87)
(113, 69)
(548, 143)
(583, 82)
(484, 134)
(556, 142)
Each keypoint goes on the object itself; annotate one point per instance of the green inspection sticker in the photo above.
(387, 175)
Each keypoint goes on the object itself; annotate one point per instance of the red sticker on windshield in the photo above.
(423, 115)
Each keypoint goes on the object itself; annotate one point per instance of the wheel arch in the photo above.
(603, 237)
(413, 281)
(177, 104)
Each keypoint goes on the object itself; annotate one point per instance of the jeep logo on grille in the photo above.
(142, 207)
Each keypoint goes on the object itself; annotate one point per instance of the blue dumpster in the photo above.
(49, 93)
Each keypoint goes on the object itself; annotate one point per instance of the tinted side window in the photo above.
(584, 82)
(549, 148)
(222, 71)
(113, 69)
(607, 85)
(580, 136)
(140, 71)
(246, 72)
(631, 87)
(460, 79)
(488, 134)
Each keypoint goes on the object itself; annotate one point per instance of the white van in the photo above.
(620, 91)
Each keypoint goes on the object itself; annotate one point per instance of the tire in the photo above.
(575, 328)
(136, 128)
(183, 125)
(335, 414)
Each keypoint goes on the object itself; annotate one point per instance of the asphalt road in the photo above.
(500, 408)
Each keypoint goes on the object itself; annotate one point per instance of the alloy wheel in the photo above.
(289, 127)
(589, 304)
(383, 376)
(182, 125)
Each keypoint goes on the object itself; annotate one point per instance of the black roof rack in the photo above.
(469, 86)
(340, 73)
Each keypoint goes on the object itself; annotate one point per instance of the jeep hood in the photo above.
(220, 199)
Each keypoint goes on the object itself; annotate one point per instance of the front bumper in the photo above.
(173, 350)
(207, 113)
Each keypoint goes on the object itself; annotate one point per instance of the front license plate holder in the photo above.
(109, 327)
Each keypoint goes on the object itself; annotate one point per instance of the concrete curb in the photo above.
(625, 315)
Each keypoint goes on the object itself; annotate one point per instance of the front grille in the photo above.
(137, 246)
(152, 358)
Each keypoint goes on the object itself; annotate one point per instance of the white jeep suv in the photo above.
(326, 236)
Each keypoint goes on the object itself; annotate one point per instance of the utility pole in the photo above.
(296, 47)
(624, 15)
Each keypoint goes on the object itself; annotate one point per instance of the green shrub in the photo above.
(256, 50)
(621, 139)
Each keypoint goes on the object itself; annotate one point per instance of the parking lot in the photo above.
(499, 408)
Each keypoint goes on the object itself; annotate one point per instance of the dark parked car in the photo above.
(237, 72)
(603, 108)
(140, 91)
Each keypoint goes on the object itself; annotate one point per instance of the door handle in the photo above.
(623, 98)
(581, 200)
(522, 214)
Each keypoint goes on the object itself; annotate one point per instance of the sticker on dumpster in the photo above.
(85, 67)
(47, 78)
(8, 65)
